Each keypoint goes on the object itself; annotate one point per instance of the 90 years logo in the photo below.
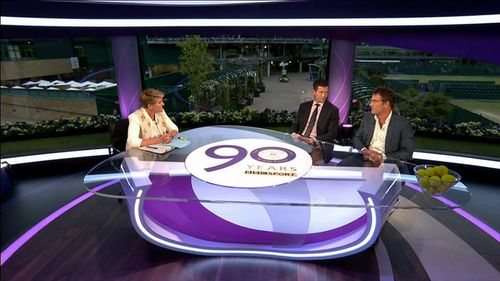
(248, 163)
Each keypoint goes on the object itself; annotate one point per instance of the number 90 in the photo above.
(241, 153)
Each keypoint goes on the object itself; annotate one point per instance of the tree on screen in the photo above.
(197, 64)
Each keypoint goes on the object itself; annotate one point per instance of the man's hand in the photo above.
(295, 136)
(303, 139)
(366, 153)
(306, 140)
(372, 156)
(375, 157)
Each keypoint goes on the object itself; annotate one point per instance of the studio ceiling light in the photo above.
(251, 22)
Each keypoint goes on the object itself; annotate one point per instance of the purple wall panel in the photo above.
(128, 73)
(340, 78)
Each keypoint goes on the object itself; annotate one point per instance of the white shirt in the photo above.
(138, 130)
(314, 132)
(379, 134)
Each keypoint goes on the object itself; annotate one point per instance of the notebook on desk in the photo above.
(157, 148)
(179, 142)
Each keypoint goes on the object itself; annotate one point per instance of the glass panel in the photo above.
(56, 101)
(257, 73)
(453, 103)
(171, 176)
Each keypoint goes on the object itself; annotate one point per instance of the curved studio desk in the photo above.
(254, 192)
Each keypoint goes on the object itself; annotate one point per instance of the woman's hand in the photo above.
(172, 133)
(166, 138)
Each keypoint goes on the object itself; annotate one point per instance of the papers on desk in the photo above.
(179, 142)
(157, 148)
(162, 148)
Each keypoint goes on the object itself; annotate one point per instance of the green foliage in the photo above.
(360, 73)
(471, 146)
(73, 125)
(375, 76)
(468, 129)
(433, 127)
(252, 84)
(245, 117)
(56, 143)
(427, 111)
(260, 74)
(355, 117)
(223, 96)
(230, 89)
(197, 64)
(429, 104)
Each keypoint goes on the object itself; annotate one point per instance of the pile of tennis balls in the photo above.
(435, 179)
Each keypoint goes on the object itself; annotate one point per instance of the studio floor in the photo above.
(95, 240)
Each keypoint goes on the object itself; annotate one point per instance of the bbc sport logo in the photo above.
(264, 173)
(248, 163)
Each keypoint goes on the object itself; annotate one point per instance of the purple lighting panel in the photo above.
(340, 78)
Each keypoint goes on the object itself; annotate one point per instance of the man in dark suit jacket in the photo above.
(383, 134)
(323, 126)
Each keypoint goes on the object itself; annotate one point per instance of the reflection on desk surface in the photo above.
(136, 165)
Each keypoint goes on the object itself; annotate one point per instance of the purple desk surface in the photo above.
(325, 213)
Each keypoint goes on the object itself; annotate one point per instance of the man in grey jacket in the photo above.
(383, 136)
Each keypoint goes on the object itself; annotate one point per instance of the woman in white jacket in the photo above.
(150, 124)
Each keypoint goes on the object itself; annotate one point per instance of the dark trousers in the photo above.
(357, 160)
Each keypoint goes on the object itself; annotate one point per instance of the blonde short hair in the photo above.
(150, 96)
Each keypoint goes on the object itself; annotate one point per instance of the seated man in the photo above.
(383, 136)
(317, 120)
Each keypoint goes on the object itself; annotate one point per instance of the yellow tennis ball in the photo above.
(431, 189)
(430, 171)
(424, 181)
(441, 170)
(442, 187)
(448, 178)
(435, 181)
(421, 172)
